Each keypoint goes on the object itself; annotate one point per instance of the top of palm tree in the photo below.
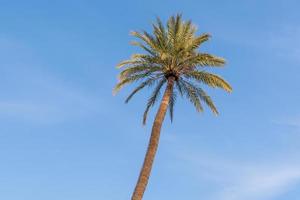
(171, 51)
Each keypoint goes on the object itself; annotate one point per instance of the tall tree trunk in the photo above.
(153, 143)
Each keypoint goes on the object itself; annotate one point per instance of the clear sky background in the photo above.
(63, 136)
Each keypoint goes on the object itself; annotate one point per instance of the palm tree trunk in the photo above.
(153, 143)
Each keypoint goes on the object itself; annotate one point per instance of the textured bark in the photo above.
(153, 143)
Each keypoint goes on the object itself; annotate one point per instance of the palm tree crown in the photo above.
(172, 52)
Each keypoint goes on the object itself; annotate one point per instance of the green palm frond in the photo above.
(207, 100)
(132, 71)
(149, 50)
(136, 70)
(129, 62)
(187, 32)
(204, 59)
(171, 29)
(171, 104)
(209, 79)
(160, 34)
(153, 99)
(148, 82)
(203, 96)
(171, 50)
(179, 87)
(192, 94)
(128, 80)
(148, 39)
(195, 42)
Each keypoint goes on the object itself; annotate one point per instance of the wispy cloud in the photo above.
(282, 41)
(40, 97)
(60, 108)
(262, 183)
(237, 180)
(29, 91)
(292, 121)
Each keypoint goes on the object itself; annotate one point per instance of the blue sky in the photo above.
(64, 136)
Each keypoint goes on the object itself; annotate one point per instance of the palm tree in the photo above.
(171, 59)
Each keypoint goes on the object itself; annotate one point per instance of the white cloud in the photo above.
(237, 180)
(289, 121)
(262, 183)
(40, 97)
(60, 108)
(282, 41)
(29, 91)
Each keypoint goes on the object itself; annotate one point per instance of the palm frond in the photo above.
(129, 62)
(192, 95)
(171, 50)
(160, 34)
(204, 59)
(209, 79)
(135, 43)
(148, 39)
(194, 43)
(171, 104)
(153, 98)
(207, 100)
(148, 82)
(133, 70)
(128, 80)
(187, 31)
(179, 87)
(203, 96)
(138, 70)
(200, 59)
